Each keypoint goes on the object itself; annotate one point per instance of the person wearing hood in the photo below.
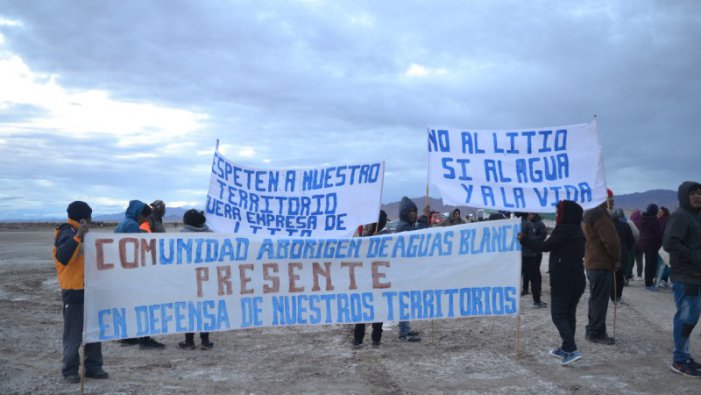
(154, 222)
(70, 268)
(137, 213)
(567, 282)
(195, 222)
(650, 243)
(409, 221)
(682, 239)
(625, 235)
(533, 228)
(601, 258)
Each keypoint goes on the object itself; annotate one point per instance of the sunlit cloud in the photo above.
(416, 70)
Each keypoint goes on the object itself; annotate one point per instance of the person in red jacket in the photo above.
(70, 264)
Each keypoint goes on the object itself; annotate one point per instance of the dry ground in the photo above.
(456, 356)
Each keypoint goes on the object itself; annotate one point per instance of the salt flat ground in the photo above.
(475, 355)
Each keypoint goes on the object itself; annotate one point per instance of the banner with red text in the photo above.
(158, 284)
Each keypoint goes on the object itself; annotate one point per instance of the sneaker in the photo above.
(206, 345)
(652, 288)
(186, 345)
(540, 305)
(150, 344)
(685, 369)
(72, 378)
(605, 340)
(97, 374)
(571, 357)
(693, 363)
(410, 338)
(357, 345)
(558, 353)
(129, 342)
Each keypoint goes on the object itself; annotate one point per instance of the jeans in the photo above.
(599, 292)
(687, 297)
(404, 328)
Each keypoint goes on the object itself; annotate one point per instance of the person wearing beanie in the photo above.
(567, 282)
(650, 242)
(601, 258)
(154, 223)
(70, 264)
(194, 221)
(682, 239)
(136, 214)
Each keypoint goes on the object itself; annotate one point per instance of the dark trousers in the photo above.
(565, 295)
(617, 286)
(531, 270)
(630, 263)
(650, 265)
(190, 337)
(73, 337)
(639, 261)
(599, 292)
(359, 333)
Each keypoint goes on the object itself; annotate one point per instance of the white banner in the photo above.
(158, 284)
(526, 170)
(321, 202)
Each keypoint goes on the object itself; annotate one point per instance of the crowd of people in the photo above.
(599, 246)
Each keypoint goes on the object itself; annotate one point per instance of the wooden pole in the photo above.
(518, 336)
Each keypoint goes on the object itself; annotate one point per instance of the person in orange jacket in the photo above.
(70, 264)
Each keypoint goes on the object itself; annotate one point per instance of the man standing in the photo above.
(408, 221)
(601, 259)
(137, 213)
(534, 229)
(70, 264)
(682, 239)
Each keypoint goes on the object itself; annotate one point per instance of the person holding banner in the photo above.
(359, 331)
(534, 229)
(70, 268)
(567, 282)
(682, 239)
(601, 260)
(195, 222)
(137, 213)
(409, 221)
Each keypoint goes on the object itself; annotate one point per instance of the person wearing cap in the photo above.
(601, 258)
(195, 221)
(70, 264)
(137, 213)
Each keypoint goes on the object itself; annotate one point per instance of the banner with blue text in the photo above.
(329, 201)
(159, 284)
(526, 170)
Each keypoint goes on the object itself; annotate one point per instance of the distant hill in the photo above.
(173, 214)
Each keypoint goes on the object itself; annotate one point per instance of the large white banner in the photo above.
(518, 170)
(330, 201)
(158, 284)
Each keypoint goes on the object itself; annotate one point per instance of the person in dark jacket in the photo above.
(625, 235)
(137, 213)
(650, 243)
(454, 219)
(635, 217)
(567, 281)
(601, 258)
(682, 239)
(359, 330)
(534, 228)
(70, 265)
(195, 222)
(409, 221)
(154, 222)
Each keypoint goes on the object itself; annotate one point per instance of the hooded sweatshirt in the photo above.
(130, 224)
(682, 239)
(405, 206)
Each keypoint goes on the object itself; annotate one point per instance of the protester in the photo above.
(635, 217)
(662, 272)
(454, 219)
(682, 239)
(154, 222)
(408, 221)
(359, 331)
(69, 262)
(630, 259)
(195, 222)
(601, 258)
(534, 229)
(650, 243)
(625, 235)
(137, 213)
(567, 282)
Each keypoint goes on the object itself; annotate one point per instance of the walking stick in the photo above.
(615, 302)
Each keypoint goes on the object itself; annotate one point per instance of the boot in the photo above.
(189, 343)
(206, 344)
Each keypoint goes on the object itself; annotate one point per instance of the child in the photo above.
(566, 268)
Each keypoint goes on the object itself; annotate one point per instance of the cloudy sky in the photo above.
(107, 101)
